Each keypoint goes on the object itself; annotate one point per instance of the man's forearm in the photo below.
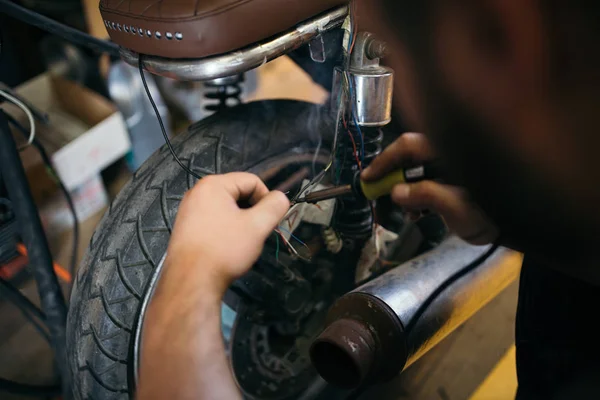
(183, 355)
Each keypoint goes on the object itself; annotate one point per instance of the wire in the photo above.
(18, 297)
(160, 121)
(447, 283)
(294, 237)
(66, 32)
(317, 179)
(27, 308)
(287, 243)
(353, 30)
(64, 275)
(340, 113)
(290, 247)
(353, 145)
(354, 117)
(27, 112)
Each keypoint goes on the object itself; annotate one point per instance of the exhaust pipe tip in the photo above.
(344, 353)
(363, 343)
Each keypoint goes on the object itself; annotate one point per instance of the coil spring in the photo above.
(223, 93)
(354, 217)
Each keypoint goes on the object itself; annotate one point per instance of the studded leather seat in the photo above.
(200, 28)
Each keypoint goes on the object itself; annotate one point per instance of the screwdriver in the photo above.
(374, 190)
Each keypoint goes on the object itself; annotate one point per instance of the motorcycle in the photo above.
(333, 270)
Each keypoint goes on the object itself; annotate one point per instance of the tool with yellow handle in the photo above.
(375, 189)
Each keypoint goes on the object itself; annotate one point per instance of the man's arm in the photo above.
(183, 356)
(213, 243)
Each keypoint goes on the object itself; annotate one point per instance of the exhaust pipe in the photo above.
(365, 341)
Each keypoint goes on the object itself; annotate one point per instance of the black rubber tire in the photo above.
(133, 235)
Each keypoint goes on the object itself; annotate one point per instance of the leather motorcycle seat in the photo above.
(201, 28)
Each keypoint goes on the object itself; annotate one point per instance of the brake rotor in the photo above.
(270, 361)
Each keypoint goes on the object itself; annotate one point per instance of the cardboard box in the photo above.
(85, 135)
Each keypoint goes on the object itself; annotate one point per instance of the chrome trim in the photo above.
(239, 61)
(137, 338)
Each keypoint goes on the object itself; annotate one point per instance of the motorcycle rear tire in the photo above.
(132, 237)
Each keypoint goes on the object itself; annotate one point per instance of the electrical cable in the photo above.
(340, 112)
(50, 168)
(353, 34)
(160, 121)
(353, 145)
(287, 243)
(291, 248)
(23, 389)
(66, 32)
(27, 112)
(317, 179)
(25, 306)
(354, 117)
(447, 283)
(17, 297)
(294, 237)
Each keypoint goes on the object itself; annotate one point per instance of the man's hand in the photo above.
(214, 241)
(461, 215)
(213, 237)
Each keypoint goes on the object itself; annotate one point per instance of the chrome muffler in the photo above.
(365, 340)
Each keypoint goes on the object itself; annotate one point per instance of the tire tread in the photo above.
(116, 268)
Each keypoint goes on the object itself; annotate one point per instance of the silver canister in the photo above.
(371, 89)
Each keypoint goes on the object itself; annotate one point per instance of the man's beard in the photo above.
(526, 205)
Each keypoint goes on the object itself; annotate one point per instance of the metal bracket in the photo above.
(317, 49)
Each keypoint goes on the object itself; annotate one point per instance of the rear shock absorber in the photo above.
(369, 108)
(223, 92)
(353, 215)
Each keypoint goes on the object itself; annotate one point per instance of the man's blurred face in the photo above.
(503, 145)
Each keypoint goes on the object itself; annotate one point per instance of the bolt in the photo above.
(376, 49)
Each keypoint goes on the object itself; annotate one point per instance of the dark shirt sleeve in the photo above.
(557, 340)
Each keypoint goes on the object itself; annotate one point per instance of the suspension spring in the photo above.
(223, 93)
(354, 217)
